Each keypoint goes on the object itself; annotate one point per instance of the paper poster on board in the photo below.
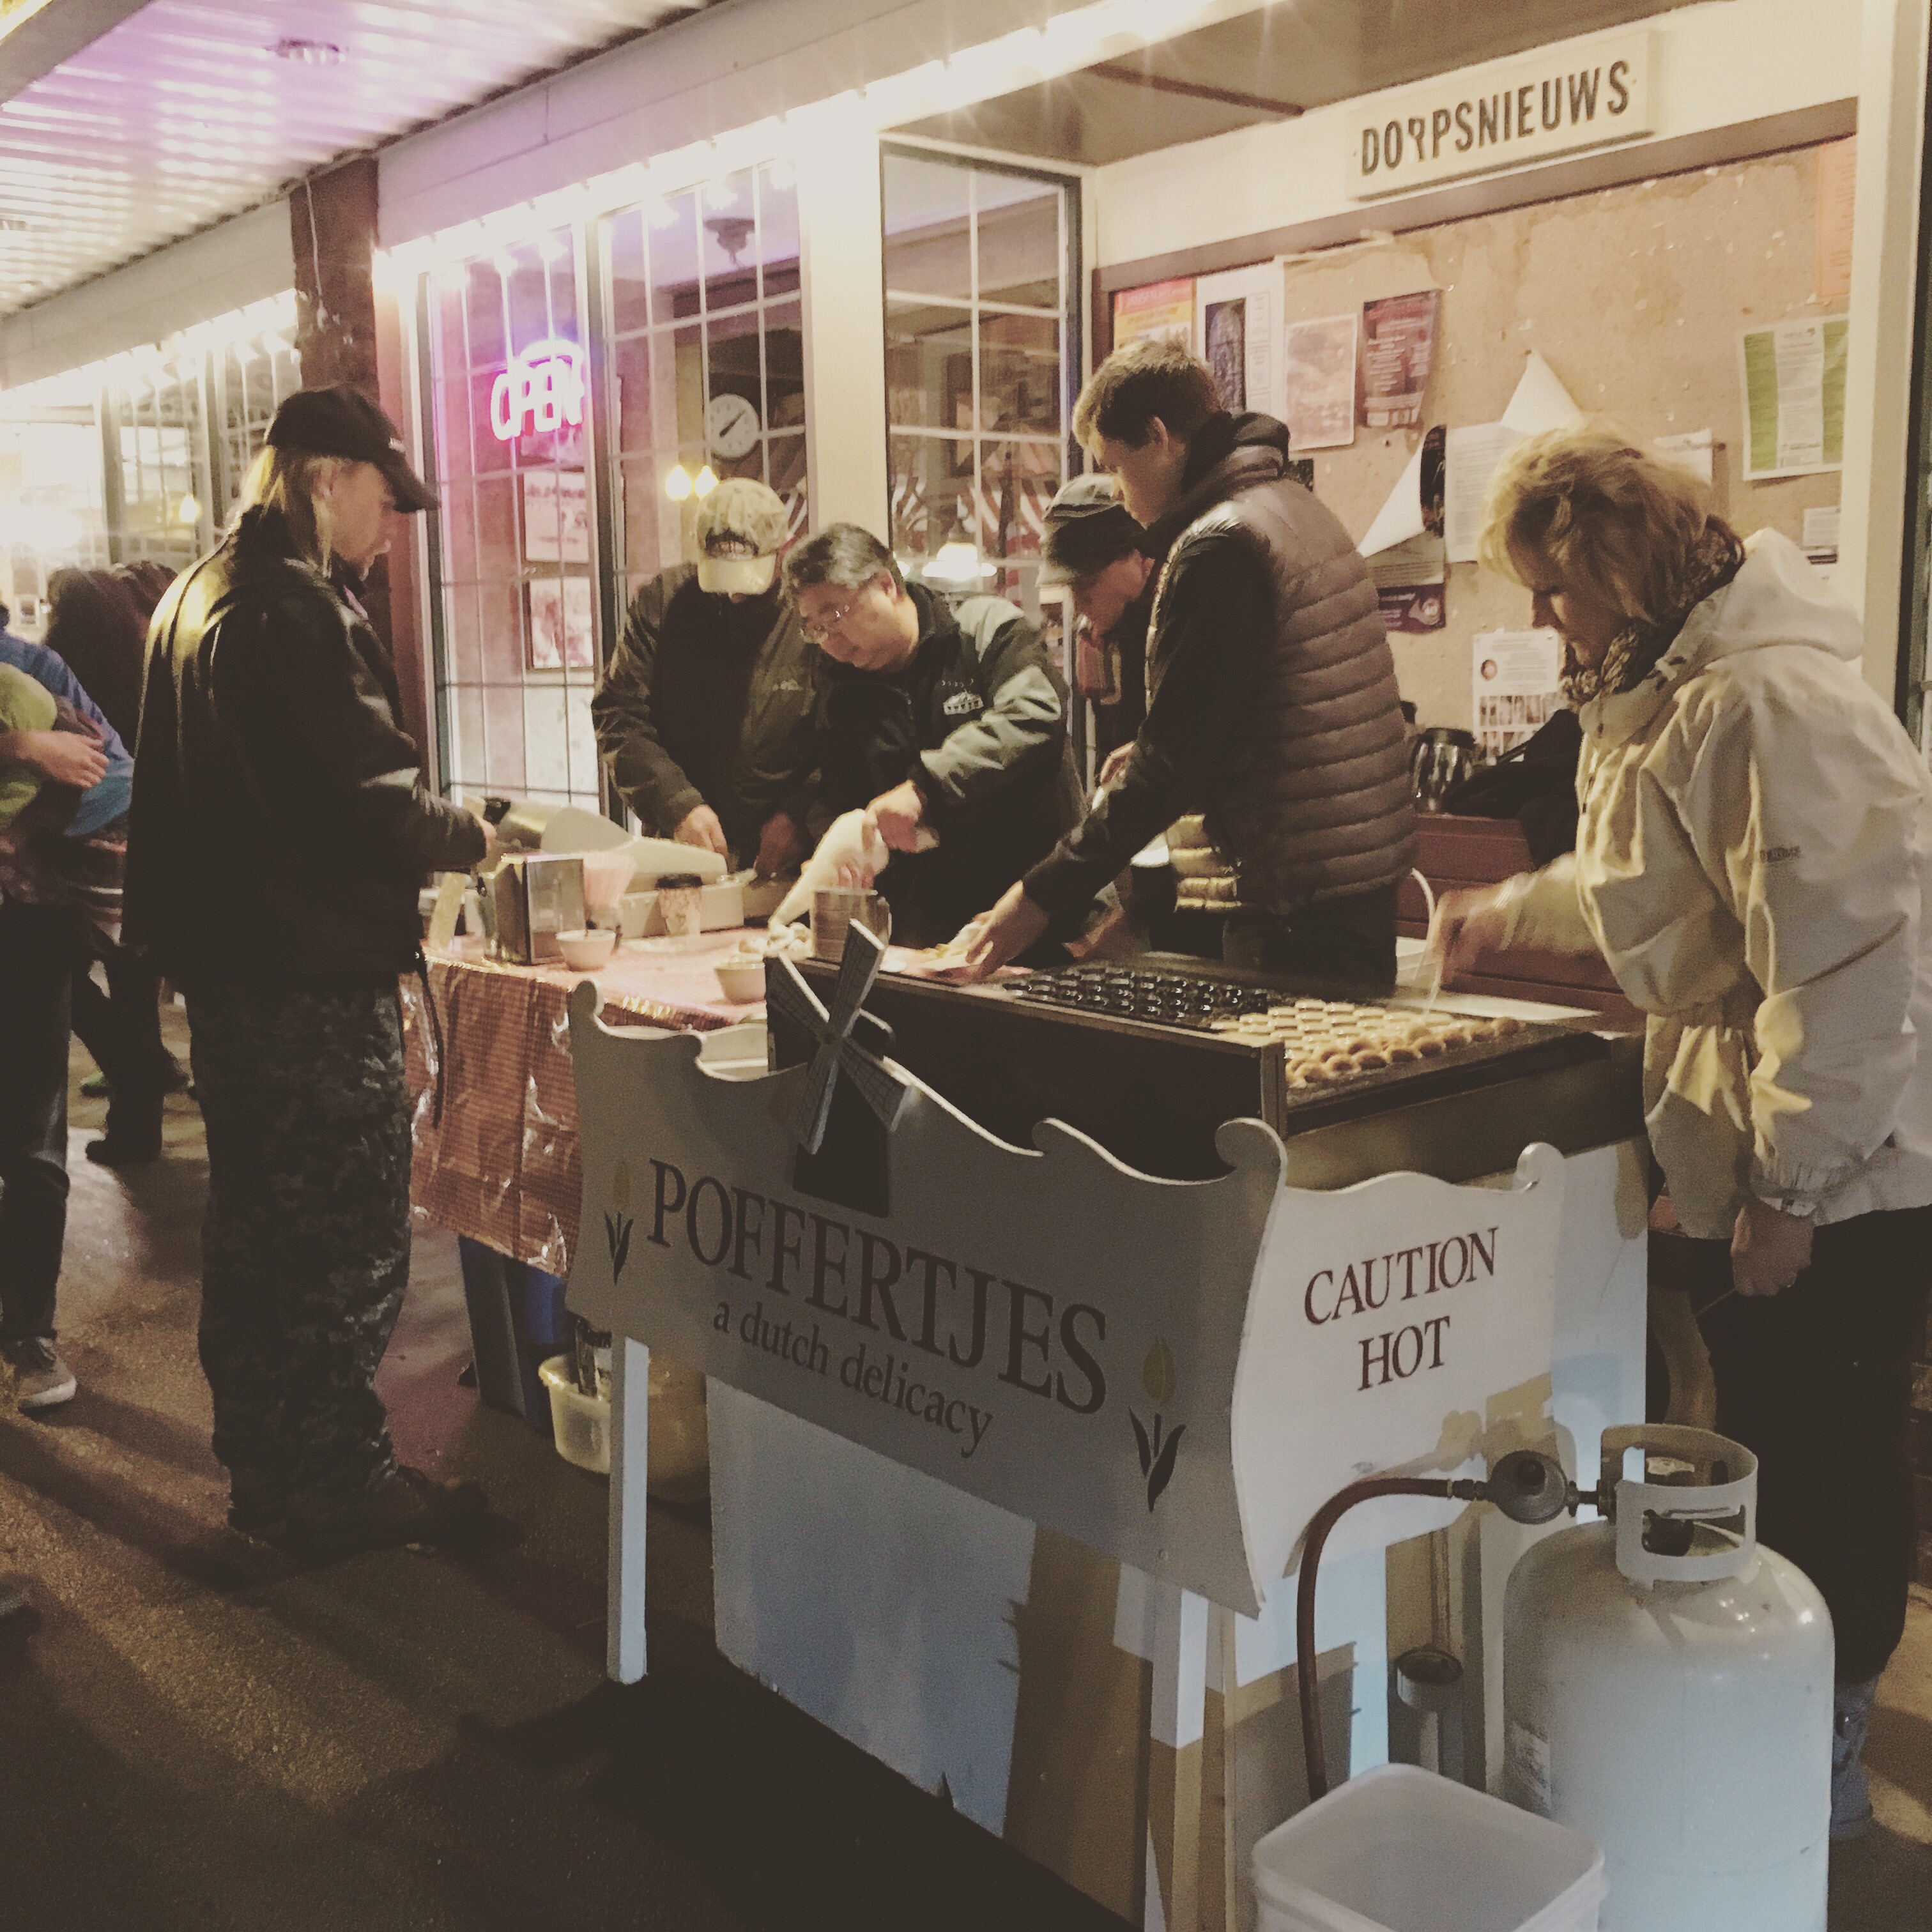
(1398, 352)
(1515, 682)
(1838, 189)
(1237, 320)
(1792, 375)
(1319, 382)
(556, 516)
(1155, 312)
(562, 632)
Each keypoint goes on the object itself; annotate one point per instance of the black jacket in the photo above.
(1272, 704)
(707, 702)
(281, 826)
(977, 720)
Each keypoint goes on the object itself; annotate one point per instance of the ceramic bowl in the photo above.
(743, 981)
(587, 950)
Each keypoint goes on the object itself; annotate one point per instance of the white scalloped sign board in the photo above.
(1176, 1373)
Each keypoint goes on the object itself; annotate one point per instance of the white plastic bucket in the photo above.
(1398, 1849)
(580, 1423)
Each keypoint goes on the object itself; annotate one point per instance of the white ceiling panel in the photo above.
(184, 113)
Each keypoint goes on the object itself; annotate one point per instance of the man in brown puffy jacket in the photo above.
(1272, 700)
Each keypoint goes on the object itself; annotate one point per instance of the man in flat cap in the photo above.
(703, 719)
(1092, 545)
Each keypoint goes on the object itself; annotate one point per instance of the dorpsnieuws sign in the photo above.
(1176, 1373)
(1555, 103)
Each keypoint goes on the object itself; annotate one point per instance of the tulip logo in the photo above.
(1158, 1446)
(617, 1225)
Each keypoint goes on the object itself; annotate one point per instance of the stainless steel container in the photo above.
(535, 895)
(835, 909)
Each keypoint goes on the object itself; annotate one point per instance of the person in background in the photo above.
(1091, 545)
(280, 833)
(703, 718)
(1272, 703)
(1754, 854)
(98, 625)
(41, 941)
(949, 730)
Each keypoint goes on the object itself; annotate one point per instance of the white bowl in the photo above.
(587, 950)
(743, 981)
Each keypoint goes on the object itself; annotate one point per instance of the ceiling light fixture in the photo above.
(309, 53)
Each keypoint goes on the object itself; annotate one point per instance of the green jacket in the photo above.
(707, 702)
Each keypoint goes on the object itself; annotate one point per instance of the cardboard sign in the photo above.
(1156, 1368)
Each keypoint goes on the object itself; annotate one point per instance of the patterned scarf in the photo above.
(1716, 557)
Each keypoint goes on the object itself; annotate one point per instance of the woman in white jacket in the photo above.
(1752, 862)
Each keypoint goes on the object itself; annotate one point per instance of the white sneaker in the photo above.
(41, 1380)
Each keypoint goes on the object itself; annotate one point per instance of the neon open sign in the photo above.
(542, 390)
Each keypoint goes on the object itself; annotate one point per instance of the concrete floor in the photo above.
(197, 1733)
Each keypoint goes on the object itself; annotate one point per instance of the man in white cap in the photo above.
(704, 717)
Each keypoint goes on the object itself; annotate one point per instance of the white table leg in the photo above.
(1175, 1726)
(630, 1459)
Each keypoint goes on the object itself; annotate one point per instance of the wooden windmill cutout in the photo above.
(837, 1051)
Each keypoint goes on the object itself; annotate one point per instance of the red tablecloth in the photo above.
(502, 1166)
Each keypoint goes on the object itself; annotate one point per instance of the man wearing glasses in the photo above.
(950, 729)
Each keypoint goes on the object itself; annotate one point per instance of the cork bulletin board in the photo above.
(1635, 295)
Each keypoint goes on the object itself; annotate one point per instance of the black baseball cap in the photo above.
(339, 420)
(1086, 528)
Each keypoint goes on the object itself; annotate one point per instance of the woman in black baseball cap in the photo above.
(279, 830)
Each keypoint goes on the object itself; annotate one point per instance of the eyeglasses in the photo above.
(817, 632)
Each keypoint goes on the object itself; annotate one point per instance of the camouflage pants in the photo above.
(305, 1248)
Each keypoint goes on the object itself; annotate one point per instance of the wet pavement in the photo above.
(199, 1733)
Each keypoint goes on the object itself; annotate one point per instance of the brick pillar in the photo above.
(333, 226)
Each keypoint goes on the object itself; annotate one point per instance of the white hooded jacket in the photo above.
(1753, 862)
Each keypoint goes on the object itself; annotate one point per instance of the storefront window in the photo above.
(517, 650)
(251, 376)
(980, 306)
(706, 359)
(51, 510)
(166, 488)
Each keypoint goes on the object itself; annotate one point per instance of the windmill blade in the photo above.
(814, 1104)
(878, 1086)
(858, 967)
(796, 1000)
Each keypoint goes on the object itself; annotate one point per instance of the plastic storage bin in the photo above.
(680, 1456)
(580, 1423)
(1397, 1850)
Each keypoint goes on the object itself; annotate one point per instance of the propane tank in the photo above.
(1667, 1689)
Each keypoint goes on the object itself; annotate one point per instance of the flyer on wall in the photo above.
(1237, 315)
(1792, 375)
(1319, 382)
(1398, 352)
(1515, 686)
(1156, 312)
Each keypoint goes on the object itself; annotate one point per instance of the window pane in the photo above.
(928, 367)
(468, 765)
(1015, 482)
(483, 306)
(503, 608)
(777, 232)
(1019, 374)
(503, 714)
(1019, 241)
(546, 739)
(630, 288)
(464, 638)
(672, 237)
(927, 238)
(730, 230)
